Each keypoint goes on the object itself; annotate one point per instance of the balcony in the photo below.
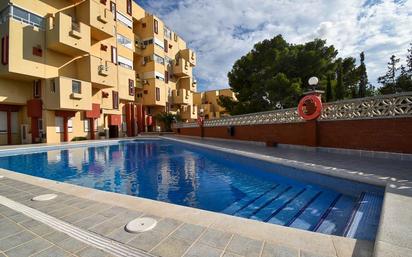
(182, 68)
(181, 97)
(189, 55)
(189, 113)
(68, 94)
(98, 17)
(66, 36)
(102, 73)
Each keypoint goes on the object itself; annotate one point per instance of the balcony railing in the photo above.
(378, 107)
(21, 15)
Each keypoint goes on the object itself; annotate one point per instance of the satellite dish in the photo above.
(313, 81)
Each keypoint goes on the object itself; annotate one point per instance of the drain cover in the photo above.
(140, 225)
(42, 198)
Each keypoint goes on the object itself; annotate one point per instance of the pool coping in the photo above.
(387, 241)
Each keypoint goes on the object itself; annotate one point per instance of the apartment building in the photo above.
(87, 68)
(208, 105)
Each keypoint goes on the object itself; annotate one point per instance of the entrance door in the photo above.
(113, 131)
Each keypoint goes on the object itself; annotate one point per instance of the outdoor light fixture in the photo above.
(313, 81)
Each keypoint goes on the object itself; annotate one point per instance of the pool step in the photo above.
(261, 202)
(277, 204)
(365, 218)
(249, 199)
(335, 219)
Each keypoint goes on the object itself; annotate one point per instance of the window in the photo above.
(53, 86)
(129, 6)
(113, 9)
(156, 26)
(159, 43)
(76, 87)
(40, 125)
(124, 62)
(148, 42)
(123, 19)
(157, 94)
(58, 122)
(131, 87)
(166, 46)
(37, 89)
(3, 122)
(14, 122)
(175, 37)
(124, 41)
(5, 50)
(168, 61)
(86, 123)
(159, 59)
(166, 77)
(167, 32)
(26, 17)
(115, 100)
(114, 54)
(70, 125)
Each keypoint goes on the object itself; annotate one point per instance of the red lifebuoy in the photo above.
(200, 121)
(310, 107)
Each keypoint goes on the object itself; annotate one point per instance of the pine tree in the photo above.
(389, 79)
(340, 90)
(329, 96)
(363, 76)
(409, 61)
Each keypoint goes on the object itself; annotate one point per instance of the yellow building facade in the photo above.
(87, 69)
(207, 103)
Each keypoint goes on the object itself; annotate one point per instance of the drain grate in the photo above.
(105, 244)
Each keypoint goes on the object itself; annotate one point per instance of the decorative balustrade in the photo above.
(377, 107)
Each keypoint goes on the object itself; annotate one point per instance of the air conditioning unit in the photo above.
(24, 134)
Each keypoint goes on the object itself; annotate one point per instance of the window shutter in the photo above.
(156, 27)
(115, 100)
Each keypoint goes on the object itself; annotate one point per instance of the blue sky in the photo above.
(221, 31)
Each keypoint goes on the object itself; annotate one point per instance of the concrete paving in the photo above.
(184, 231)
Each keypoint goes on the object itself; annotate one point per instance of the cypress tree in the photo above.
(340, 90)
(363, 76)
(329, 96)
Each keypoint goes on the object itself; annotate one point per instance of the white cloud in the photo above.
(222, 31)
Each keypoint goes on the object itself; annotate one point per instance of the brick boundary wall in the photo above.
(388, 135)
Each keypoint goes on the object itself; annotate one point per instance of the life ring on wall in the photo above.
(200, 121)
(310, 107)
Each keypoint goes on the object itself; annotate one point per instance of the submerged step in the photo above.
(247, 200)
(266, 213)
(319, 208)
(335, 222)
(261, 202)
(294, 207)
(365, 220)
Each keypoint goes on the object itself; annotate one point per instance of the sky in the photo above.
(221, 31)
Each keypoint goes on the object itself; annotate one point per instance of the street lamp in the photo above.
(313, 81)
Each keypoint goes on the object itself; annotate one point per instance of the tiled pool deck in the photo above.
(183, 231)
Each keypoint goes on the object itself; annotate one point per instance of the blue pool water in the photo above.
(197, 177)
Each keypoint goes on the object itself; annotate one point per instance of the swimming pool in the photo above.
(216, 181)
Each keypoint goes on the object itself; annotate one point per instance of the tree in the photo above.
(409, 61)
(340, 90)
(276, 71)
(389, 79)
(167, 119)
(363, 76)
(404, 81)
(329, 93)
(350, 77)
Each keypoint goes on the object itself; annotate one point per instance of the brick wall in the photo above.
(392, 135)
